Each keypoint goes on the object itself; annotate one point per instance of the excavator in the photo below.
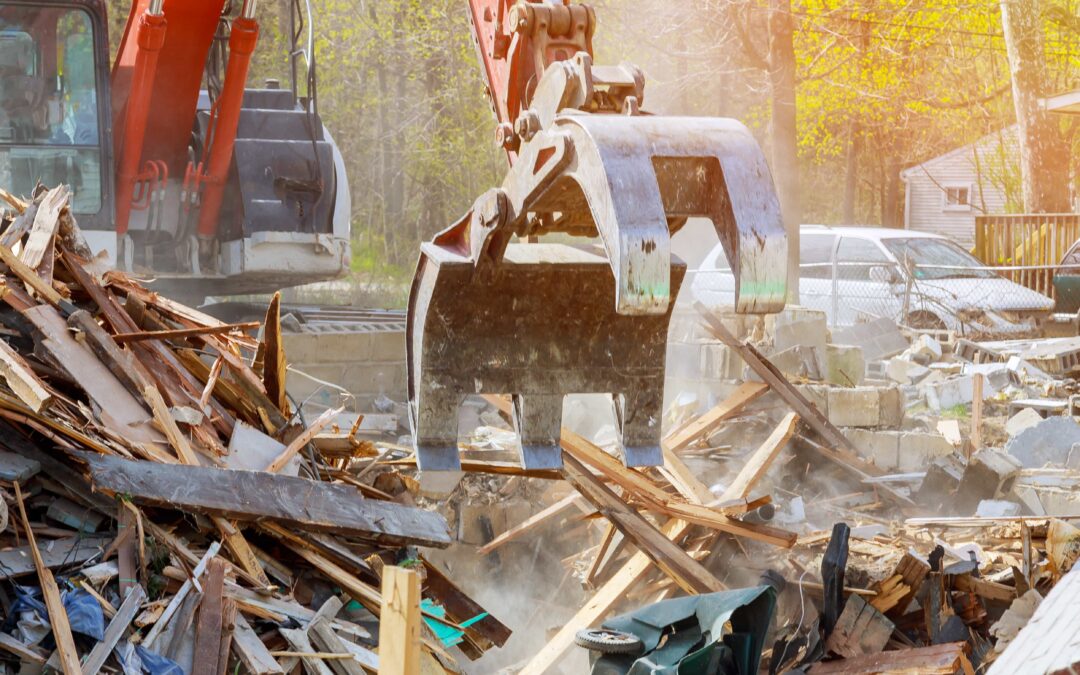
(506, 302)
(215, 189)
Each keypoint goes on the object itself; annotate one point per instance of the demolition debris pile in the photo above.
(902, 511)
(173, 507)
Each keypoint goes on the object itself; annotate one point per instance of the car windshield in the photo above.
(936, 259)
(49, 122)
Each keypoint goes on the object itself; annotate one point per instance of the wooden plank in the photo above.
(860, 629)
(250, 650)
(298, 640)
(120, 362)
(25, 652)
(305, 436)
(941, 659)
(19, 561)
(254, 495)
(45, 225)
(31, 278)
(58, 619)
(120, 411)
(115, 630)
(22, 380)
(208, 630)
(178, 599)
(15, 468)
(668, 556)
(976, 412)
(324, 637)
(762, 458)
(274, 364)
(537, 520)
(460, 608)
(656, 499)
(179, 333)
(165, 422)
(399, 622)
(701, 427)
(991, 590)
(615, 590)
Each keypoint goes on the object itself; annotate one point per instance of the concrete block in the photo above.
(800, 361)
(924, 349)
(880, 447)
(799, 326)
(903, 371)
(844, 365)
(949, 393)
(918, 450)
(938, 489)
(891, 407)
(879, 339)
(854, 407)
(1024, 418)
(1049, 441)
(997, 508)
(990, 473)
(387, 346)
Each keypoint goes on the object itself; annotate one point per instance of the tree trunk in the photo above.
(851, 173)
(1043, 154)
(785, 162)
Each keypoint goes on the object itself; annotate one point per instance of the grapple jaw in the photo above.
(542, 327)
(540, 321)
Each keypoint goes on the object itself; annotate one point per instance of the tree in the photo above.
(1043, 153)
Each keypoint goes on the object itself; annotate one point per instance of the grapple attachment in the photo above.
(540, 321)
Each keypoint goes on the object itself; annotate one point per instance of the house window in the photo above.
(956, 197)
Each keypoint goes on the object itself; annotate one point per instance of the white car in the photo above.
(917, 279)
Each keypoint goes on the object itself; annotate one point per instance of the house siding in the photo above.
(926, 181)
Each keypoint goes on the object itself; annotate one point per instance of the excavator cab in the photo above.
(179, 169)
(588, 313)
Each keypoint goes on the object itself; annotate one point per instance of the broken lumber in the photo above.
(256, 495)
(399, 622)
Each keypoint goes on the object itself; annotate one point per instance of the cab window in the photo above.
(49, 113)
(855, 258)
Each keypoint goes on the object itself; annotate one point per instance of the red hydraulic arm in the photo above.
(213, 170)
(150, 38)
(516, 41)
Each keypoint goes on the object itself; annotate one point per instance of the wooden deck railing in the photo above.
(1019, 240)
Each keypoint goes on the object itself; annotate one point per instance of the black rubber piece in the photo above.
(608, 641)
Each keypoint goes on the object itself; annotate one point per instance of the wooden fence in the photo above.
(1038, 241)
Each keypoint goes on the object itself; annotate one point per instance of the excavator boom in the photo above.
(539, 321)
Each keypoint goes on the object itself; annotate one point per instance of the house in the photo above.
(944, 194)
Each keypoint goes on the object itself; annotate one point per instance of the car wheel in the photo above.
(925, 321)
(608, 641)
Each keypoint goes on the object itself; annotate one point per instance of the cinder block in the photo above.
(880, 447)
(890, 407)
(844, 365)
(855, 407)
(918, 450)
(817, 394)
(387, 346)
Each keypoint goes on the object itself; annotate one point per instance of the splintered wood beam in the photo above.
(30, 278)
(257, 495)
(762, 458)
(45, 225)
(274, 364)
(399, 622)
(119, 624)
(22, 380)
(140, 336)
(701, 427)
(668, 556)
(251, 652)
(208, 629)
(305, 437)
(58, 618)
